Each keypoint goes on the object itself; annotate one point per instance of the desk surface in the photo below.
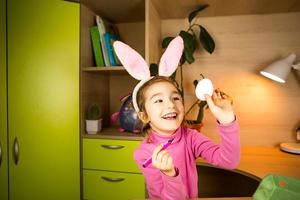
(227, 198)
(260, 161)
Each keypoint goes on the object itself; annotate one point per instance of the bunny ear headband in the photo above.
(137, 67)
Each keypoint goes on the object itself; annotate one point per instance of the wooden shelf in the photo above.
(100, 69)
(171, 9)
(118, 11)
(109, 70)
(114, 133)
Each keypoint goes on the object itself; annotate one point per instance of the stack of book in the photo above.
(103, 35)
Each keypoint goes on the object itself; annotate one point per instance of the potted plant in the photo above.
(190, 41)
(93, 119)
(197, 123)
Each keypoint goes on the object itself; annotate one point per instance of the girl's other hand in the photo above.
(163, 161)
(220, 105)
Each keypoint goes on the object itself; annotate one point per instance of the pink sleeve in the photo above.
(226, 154)
(160, 186)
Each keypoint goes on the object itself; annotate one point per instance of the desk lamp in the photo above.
(278, 71)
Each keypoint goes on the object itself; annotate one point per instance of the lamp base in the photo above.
(290, 147)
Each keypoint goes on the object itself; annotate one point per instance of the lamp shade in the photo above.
(279, 70)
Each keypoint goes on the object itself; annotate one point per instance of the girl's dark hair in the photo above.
(141, 98)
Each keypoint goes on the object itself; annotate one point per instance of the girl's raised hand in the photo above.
(163, 161)
(220, 105)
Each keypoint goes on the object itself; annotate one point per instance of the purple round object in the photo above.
(128, 117)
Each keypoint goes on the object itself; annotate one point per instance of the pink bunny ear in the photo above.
(171, 57)
(132, 61)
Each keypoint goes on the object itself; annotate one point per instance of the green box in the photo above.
(276, 187)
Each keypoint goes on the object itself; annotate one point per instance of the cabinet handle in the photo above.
(112, 146)
(16, 151)
(0, 154)
(112, 179)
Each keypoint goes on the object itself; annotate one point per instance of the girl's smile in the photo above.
(170, 116)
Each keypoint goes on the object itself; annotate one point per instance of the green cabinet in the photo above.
(3, 107)
(43, 99)
(109, 171)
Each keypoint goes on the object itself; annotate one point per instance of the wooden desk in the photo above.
(260, 161)
(227, 198)
(221, 198)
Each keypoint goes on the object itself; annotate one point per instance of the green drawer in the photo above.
(111, 155)
(98, 185)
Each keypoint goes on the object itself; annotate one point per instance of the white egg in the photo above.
(203, 87)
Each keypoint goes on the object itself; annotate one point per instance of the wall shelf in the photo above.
(113, 132)
(101, 69)
(105, 70)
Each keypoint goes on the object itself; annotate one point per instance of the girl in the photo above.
(157, 100)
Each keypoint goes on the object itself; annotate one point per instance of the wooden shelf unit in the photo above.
(106, 85)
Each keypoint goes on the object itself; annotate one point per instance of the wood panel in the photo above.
(261, 161)
(153, 29)
(173, 9)
(118, 11)
(268, 112)
(135, 39)
(93, 86)
(120, 86)
(87, 19)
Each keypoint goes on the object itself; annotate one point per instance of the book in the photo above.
(102, 30)
(96, 44)
(110, 38)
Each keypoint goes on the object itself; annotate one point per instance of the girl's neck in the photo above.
(158, 137)
(162, 134)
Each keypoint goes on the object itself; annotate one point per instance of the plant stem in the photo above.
(191, 26)
(196, 102)
(181, 81)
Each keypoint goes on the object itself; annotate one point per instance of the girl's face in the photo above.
(164, 108)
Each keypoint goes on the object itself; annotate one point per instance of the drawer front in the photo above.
(98, 185)
(111, 155)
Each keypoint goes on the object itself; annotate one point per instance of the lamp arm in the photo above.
(296, 66)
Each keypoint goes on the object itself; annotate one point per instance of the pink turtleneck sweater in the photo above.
(187, 146)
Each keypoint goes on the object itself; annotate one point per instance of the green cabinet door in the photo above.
(98, 185)
(43, 99)
(3, 107)
(112, 155)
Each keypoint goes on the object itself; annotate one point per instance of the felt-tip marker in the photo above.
(165, 145)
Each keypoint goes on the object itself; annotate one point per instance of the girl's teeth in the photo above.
(170, 116)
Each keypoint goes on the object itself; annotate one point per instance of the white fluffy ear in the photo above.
(133, 62)
(171, 57)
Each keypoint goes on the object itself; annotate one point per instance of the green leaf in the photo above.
(188, 39)
(166, 41)
(206, 40)
(189, 46)
(153, 69)
(94, 112)
(188, 55)
(194, 13)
